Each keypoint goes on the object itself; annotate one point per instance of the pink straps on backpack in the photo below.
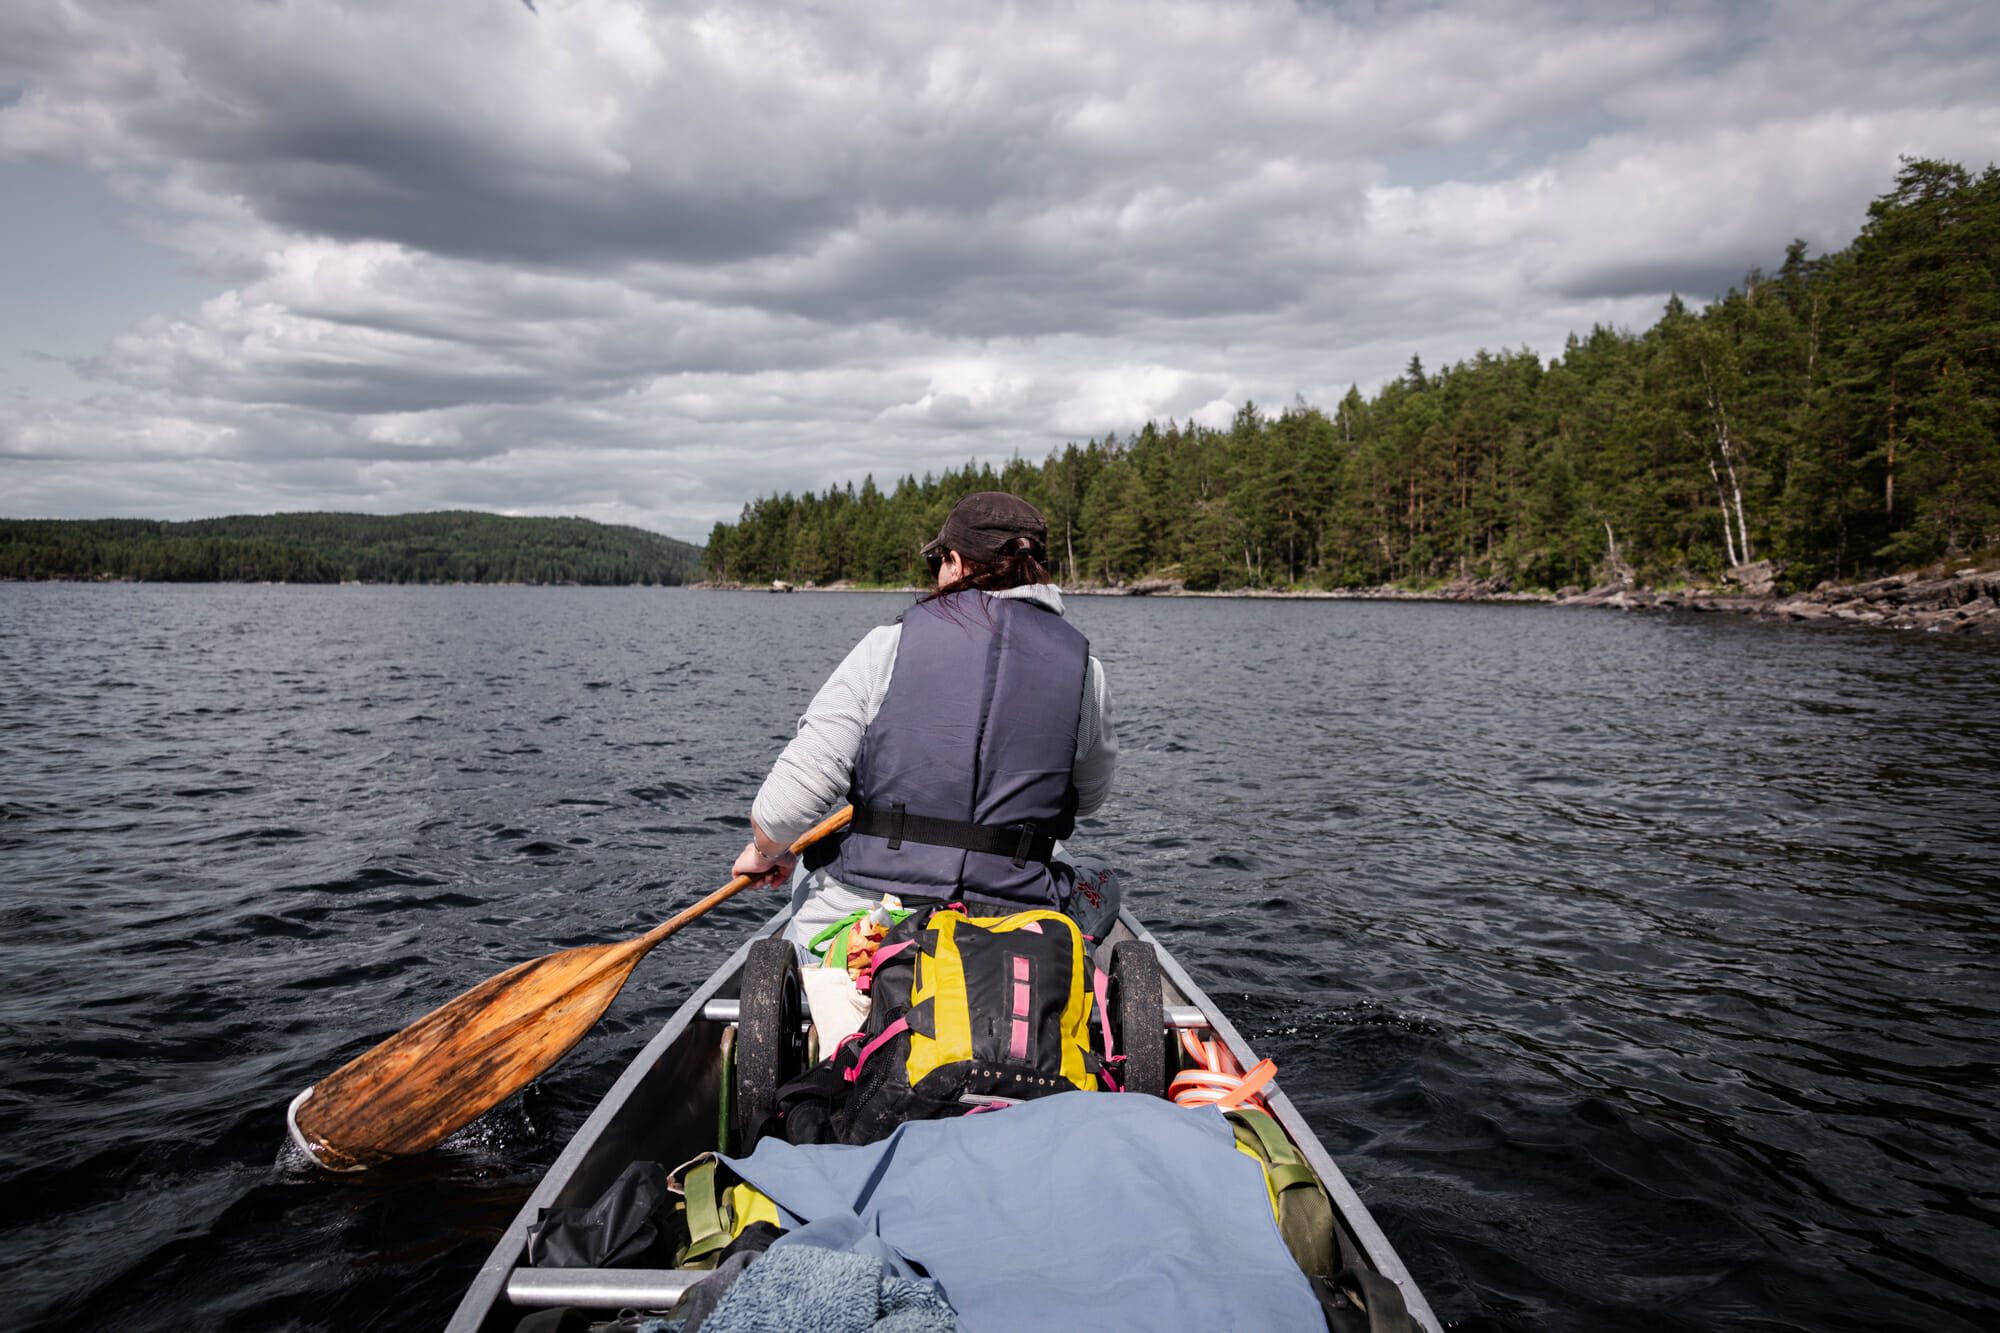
(888, 1034)
(1017, 1032)
(875, 960)
(1100, 984)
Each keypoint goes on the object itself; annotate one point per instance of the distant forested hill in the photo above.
(1838, 416)
(448, 547)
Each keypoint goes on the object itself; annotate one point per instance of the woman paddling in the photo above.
(969, 736)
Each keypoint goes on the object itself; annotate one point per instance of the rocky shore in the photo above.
(1965, 601)
(1962, 601)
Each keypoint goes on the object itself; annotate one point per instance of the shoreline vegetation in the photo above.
(1824, 427)
(451, 546)
(1960, 598)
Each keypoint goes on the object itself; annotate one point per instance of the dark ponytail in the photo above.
(1021, 562)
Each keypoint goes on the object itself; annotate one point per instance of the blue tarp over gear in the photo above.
(1082, 1210)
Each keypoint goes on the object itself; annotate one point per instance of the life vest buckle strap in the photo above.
(1021, 843)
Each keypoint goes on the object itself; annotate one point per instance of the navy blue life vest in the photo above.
(973, 745)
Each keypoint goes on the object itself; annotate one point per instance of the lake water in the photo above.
(1640, 971)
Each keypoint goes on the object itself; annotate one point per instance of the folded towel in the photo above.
(806, 1289)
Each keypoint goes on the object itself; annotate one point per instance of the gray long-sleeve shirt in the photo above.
(812, 776)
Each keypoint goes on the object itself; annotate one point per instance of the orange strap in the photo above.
(1216, 1080)
(1200, 1081)
(1248, 1086)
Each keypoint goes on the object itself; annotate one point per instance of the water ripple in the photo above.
(1641, 970)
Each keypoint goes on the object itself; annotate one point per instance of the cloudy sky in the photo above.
(641, 261)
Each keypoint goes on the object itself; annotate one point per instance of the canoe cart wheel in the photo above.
(1138, 1016)
(770, 1035)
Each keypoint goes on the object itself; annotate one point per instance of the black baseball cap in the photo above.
(980, 526)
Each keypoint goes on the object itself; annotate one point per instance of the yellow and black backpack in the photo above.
(968, 1013)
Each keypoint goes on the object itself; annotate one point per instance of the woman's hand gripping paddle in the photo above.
(460, 1061)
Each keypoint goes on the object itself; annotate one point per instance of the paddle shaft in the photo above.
(716, 899)
(833, 823)
(464, 1058)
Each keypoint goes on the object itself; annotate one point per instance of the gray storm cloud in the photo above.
(644, 262)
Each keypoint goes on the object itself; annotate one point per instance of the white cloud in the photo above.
(642, 263)
(1117, 397)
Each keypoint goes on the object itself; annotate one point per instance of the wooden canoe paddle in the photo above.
(461, 1060)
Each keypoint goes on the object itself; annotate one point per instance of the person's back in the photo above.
(968, 736)
(963, 783)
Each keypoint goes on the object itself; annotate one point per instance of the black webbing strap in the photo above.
(1018, 842)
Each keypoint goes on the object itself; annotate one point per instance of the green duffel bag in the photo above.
(1304, 1213)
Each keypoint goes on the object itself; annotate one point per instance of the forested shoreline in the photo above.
(1838, 418)
(441, 547)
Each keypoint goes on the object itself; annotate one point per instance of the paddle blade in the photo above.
(461, 1060)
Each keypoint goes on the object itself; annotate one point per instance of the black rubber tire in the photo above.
(1138, 1016)
(770, 1035)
